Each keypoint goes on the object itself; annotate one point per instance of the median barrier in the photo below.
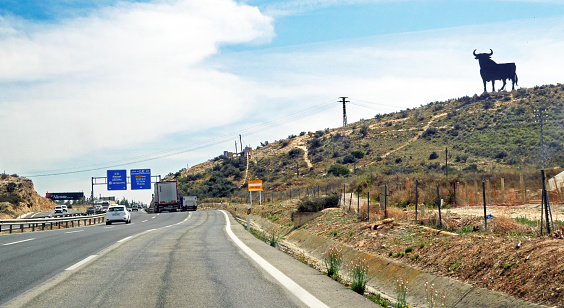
(43, 223)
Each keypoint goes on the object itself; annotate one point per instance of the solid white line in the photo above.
(79, 264)
(12, 243)
(144, 220)
(125, 239)
(286, 281)
(74, 231)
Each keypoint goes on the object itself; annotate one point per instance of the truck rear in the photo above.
(189, 203)
(166, 197)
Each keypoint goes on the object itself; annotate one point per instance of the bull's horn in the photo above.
(474, 52)
(491, 53)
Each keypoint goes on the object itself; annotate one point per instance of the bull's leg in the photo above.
(504, 83)
(493, 85)
(485, 86)
(512, 84)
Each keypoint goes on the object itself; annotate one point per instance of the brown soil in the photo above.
(509, 258)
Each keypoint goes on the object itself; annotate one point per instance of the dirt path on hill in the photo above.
(306, 159)
(416, 137)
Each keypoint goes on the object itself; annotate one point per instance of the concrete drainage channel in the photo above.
(384, 273)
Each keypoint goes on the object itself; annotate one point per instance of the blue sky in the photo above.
(161, 85)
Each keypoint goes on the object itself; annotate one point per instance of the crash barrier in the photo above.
(57, 222)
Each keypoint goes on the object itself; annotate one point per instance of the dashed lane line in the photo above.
(81, 263)
(22, 241)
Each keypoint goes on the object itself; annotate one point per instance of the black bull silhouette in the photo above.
(491, 71)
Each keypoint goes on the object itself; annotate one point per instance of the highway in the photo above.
(187, 259)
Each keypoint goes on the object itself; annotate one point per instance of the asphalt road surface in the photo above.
(195, 259)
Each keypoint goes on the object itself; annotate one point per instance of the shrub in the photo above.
(318, 204)
(363, 130)
(433, 155)
(315, 143)
(338, 170)
(349, 159)
(357, 154)
(429, 132)
(294, 153)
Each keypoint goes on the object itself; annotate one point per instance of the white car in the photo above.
(60, 209)
(117, 213)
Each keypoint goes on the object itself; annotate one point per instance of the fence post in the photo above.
(368, 207)
(358, 203)
(484, 195)
(350, 201)
(386, 201)
(439, 203)
(416, 198)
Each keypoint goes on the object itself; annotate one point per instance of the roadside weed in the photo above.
(333, 259)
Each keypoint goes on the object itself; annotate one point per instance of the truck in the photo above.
(189, 203)
(166, 197)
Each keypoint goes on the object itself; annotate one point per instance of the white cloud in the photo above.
(122, 76)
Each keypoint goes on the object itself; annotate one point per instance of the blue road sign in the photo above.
(140, 179)
(117, 179)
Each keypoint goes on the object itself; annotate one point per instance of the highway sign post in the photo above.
(255, 185)
(140, 179)
(117, 179)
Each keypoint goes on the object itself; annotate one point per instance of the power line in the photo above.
(251, 130)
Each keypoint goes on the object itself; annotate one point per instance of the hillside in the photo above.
(484, 136)
(17, 197)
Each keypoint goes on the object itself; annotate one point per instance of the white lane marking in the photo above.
(144, 220)
(79, 264)
(12, 243)
(108, 227)
(125, 239)
(74, 231)
(286, 281)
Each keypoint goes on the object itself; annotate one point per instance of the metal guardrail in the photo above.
(43, 223)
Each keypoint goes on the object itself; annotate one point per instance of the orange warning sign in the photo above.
(255, 185)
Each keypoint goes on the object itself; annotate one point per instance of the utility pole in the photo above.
(241, 143)
(344, 100)
(542, 149)
(446, 163)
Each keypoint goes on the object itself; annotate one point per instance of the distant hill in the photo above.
(492, 132)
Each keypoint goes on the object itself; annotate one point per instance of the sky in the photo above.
(91, 86)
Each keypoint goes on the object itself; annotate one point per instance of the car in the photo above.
(134, 208)
(117, 213)
(64, 208)
(58, 209)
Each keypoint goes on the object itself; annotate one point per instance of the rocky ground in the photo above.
(18, 197)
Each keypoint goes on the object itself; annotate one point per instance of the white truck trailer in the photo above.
(166, 197)
(189, 203)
